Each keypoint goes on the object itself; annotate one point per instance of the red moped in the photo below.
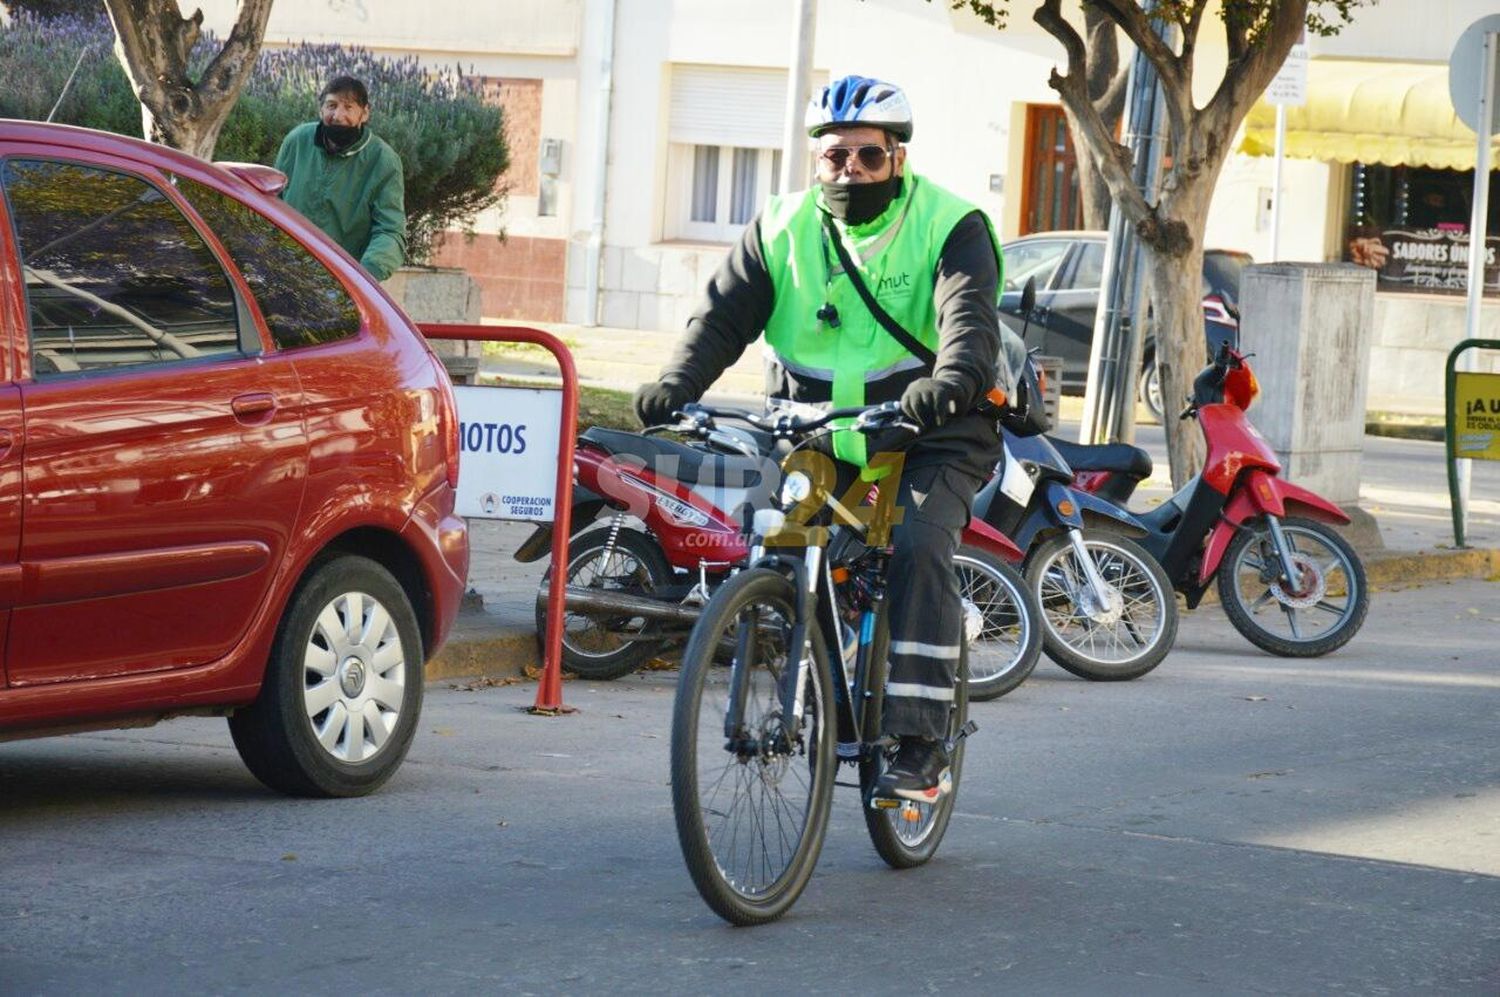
(676, 519)
(1288, 581)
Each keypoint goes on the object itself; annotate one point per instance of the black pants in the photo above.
(922, 600)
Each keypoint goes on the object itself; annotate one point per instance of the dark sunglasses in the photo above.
(871, 157)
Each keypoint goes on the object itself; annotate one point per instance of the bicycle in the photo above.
(756, 744)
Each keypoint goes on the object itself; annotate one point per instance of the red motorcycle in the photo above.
(677, 524)
(1288, 581)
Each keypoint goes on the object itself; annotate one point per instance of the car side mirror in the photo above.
(1028, 297)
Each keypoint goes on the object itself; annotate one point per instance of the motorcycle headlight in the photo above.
(795, 488)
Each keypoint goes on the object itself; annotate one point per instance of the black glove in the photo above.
(929, 402)
(655, 403)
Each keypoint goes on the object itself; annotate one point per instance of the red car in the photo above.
(227, 466)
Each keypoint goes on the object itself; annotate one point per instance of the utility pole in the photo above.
(798, 87)
(1115, 357)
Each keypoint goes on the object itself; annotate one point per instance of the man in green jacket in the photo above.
(346, 180)
(932, 262)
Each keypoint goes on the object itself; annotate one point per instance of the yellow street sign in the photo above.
(1476, 410)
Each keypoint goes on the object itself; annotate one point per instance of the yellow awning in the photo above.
(1397, 113)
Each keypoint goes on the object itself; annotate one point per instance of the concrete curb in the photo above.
(481, 648)
(477, 648)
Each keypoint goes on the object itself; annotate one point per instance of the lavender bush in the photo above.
(451, 143)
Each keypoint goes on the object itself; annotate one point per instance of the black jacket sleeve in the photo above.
(965, 284)
(735, 308)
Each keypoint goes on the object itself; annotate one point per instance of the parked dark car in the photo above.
(227, 466)
(1068, 267)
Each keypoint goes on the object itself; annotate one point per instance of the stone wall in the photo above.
(647, 287)
(1412, 336)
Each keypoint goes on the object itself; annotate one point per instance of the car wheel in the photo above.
(342, 690)
(1150, 389)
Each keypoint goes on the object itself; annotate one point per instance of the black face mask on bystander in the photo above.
(857, 203)
(337, 138)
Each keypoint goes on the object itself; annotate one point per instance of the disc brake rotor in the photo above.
(1314, 585)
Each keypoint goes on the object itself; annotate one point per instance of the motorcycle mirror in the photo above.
(1028, 302)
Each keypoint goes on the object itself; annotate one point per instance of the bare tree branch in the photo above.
(1109, 156)
(154, 43)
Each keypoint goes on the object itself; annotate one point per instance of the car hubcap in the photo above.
(354, 677)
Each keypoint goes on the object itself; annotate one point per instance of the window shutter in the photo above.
(729, 105)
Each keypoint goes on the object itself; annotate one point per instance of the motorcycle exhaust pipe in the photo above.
(601, 602)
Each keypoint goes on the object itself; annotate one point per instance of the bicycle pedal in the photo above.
(884, 803)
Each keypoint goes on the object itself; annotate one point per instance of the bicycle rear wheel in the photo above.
(909, 835)
(751, 816)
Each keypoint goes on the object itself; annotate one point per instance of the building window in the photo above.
(1411, 225)
(721, 189)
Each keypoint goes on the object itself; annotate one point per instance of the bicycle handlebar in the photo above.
(786, 425)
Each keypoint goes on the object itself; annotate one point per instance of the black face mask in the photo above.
(337, 138)
(857, 203)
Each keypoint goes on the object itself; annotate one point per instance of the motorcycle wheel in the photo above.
(608, 647)
(1002, 623)
(1321, 617)
(1119, 642)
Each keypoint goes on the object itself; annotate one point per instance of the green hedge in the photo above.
(451, 143)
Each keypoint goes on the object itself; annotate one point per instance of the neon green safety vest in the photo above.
(897, 255)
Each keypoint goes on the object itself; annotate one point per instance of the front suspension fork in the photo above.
(1284, 553)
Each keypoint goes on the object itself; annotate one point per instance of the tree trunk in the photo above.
(154, 42)
(1177, 295)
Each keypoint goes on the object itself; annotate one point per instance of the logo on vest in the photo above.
(899, 284)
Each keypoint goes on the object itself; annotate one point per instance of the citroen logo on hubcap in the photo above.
(352, 677)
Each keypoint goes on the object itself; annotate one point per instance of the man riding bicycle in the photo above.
(932, 263)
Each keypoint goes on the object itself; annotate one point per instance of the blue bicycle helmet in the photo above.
(860, 100)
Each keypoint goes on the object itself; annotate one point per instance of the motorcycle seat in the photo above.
(683, 463)
(1120, 457)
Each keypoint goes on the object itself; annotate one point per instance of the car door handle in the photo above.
(253, 407)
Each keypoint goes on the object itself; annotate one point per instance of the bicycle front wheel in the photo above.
(752, 810)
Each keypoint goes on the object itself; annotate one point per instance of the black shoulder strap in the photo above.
(890, 325)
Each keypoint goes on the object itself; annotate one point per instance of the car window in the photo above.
(1088, 268)
(1032, 259)
(302, 301)
(115, 275)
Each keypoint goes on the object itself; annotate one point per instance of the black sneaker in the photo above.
(919, 772)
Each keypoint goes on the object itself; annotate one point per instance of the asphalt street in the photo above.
(1232, 823)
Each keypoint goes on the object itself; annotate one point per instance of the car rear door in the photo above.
(165, 457)
(1071, 309)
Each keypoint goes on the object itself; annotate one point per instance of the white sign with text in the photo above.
(1289, 85)
(508, 442)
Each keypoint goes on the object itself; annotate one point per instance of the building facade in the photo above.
(645, 133)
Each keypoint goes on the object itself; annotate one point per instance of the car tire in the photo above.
(1149, 390)
(343, 687)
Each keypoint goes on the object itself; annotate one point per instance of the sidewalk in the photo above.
(498, 640)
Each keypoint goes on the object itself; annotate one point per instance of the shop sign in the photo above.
(1476, 426)
(509, 440)
(1434, 260)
